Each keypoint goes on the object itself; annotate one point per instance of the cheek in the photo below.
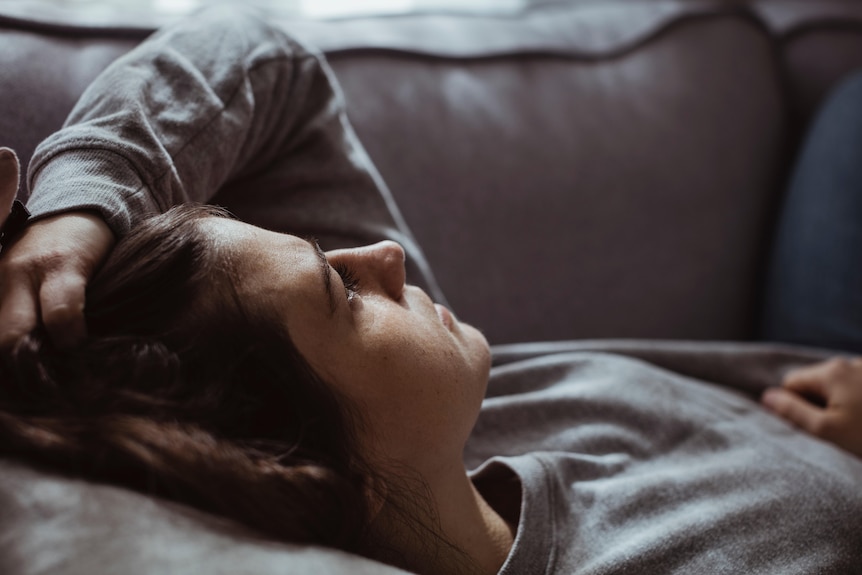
(410, 394)
(400, 371)
(417, 388)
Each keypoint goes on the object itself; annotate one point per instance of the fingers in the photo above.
(796, 410)
(819, 379)
(58, 297)
(838, 383)
(18, 312)
(810, 381)
(62, 299)
(9, 175)
(44, 275)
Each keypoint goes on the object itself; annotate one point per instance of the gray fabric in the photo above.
(221, 102)
(750, 367)
(629, 468)
(626, 468)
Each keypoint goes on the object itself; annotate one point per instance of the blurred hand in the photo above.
(824, 399)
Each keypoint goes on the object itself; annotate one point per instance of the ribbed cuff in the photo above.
(90, 179)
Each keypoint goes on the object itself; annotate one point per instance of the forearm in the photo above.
(194, 106)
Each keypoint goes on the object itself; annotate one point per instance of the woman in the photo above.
(318, 386)
(191, 354)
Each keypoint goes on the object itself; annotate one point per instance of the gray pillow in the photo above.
(54, 524)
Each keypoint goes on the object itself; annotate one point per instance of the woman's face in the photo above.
(415, 371)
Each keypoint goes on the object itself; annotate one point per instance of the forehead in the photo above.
(266, 263)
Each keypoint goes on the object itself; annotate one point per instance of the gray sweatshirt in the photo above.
(623, 467)
(628, 468)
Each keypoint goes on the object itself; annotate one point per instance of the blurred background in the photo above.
(145, 12)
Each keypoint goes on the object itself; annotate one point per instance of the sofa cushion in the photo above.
(53, 524)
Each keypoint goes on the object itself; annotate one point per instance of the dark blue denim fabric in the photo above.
(814, 284)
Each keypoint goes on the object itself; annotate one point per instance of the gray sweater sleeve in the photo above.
(217, 101)
(173, 120)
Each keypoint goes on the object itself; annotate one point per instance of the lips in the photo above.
(445, 316)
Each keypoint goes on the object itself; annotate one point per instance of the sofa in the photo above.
(583, 175)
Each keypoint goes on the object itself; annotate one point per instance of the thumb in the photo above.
(9, 174)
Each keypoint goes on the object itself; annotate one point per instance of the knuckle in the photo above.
(838, 365)
(9, 334)
(14, 265)
(792, 376)
(16, 323)
(816, 427)
(61, 314)
(31, 263)
(51, 259)
(823, 427)
(13, 328)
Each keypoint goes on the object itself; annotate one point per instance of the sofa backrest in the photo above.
(606, 169)
(819, 42)
(609, 171)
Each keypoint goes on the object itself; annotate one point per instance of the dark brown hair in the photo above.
(181, 392)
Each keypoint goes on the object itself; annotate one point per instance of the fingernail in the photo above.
(769, 396)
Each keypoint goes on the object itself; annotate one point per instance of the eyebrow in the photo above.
(324, 271)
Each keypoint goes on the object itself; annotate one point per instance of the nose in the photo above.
(378, 267)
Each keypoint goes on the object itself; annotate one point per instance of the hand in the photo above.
(46, 271)
(824, 399)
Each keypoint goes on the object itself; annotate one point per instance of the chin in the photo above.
(482, 349)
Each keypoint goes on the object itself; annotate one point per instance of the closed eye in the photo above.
(349, 279)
